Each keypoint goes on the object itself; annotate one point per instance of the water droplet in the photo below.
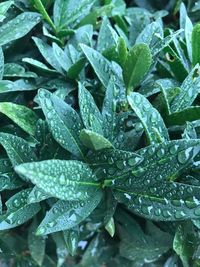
(185, 155)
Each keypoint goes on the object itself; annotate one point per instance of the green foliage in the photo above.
(99, 133)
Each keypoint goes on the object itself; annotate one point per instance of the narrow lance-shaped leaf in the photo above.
(64, 123)
(16, 70)
(102, 67)
(39, 65)
(90, 113)
(187, 26)
(111, 163)
(109, 110)
(48, 54)
(39, 6)
(65, 215)
(195, 46)
(179, 118)
(66, 180)
(150, 118)
(1, 63)
(189, 91)
(4, 7)
(18, 150)
(71, 238)
(8, 178)
(136, 66)
(36, 244)
(18, 210)
(161, 162)
(18, 27)
(21, 115)
(94, 141)
(166, 201)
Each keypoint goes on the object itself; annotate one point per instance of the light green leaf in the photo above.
(18, 27)
(136, 66)
(94, 141)
(65, 215)
(64, 123)
(66, 180)
(150, 118)
(21, 115)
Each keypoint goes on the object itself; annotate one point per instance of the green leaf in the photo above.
(21, 115)
(71, 238)
(37, 195)
(16, 70)
(111, 163)
(65, 215)
(18, 27)
(150, 118)
(67, 180)
(94, 141)
(39, 6)
(170, 201)
(61, 249)
(36, 244)
(48, 54)
(90, 113)
(189, 91)
(8, 178)
(137, 246)
(18, 210)
(161, 162)
(102, 67)
(18, 150)
(109, 110)
(136, 66)
(39, 65)
(1, 63)
(186, 24)
(107, 36)
(151, 34)
(69, 12)
(195, 47)
(4, 7)
(180, 118)
(64, 123)
(62, 57)
(184, 243)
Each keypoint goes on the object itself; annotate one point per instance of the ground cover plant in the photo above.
(99, 133)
